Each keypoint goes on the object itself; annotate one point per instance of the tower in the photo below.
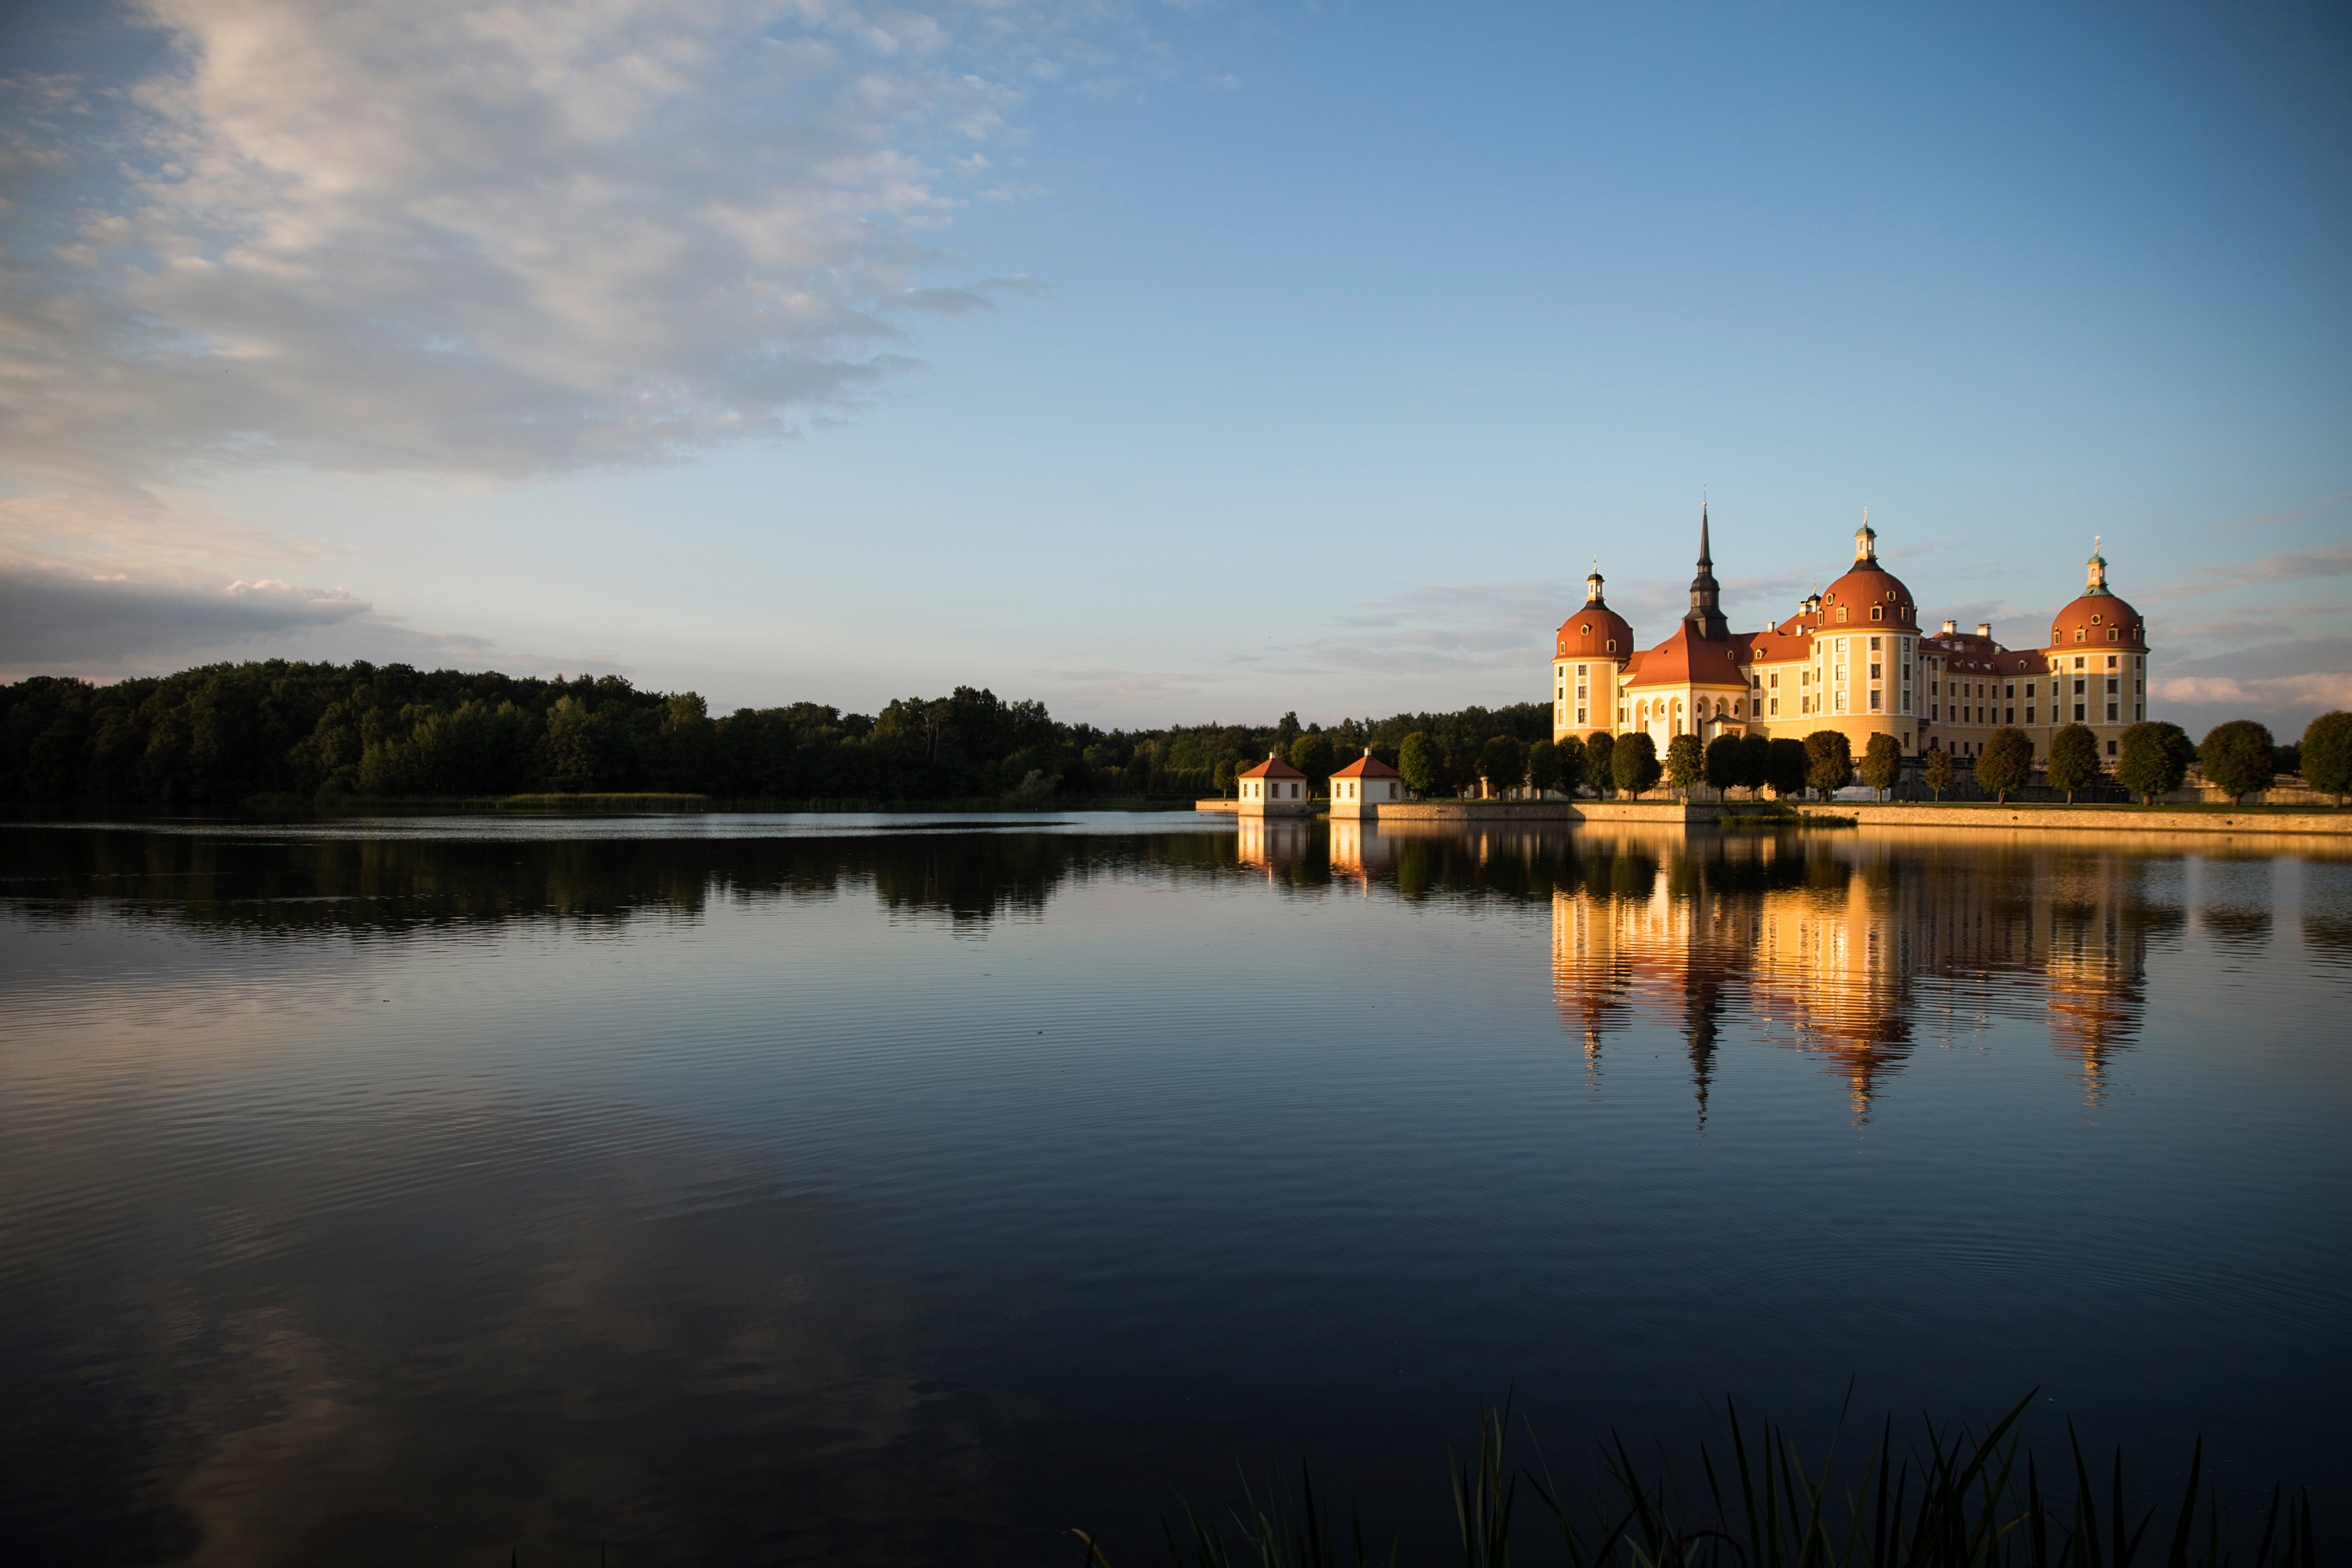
(1706, 616)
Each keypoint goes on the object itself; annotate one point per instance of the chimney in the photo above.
(1984, 629)
(1951, 628)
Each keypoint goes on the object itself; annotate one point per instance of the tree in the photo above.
(1882, 763)
(1600, 763)
(1417, 762)
(1502, 763)
(1755, 763)
(2007, 763)
(1829, 762)
(1312, 754)
(1221, 778)
(1634, 764)
(1570, 764)
(1727, 763)
(2238, 756)
(2073, 759)
(1938, 772)
(2154, 761)
(2328, 754)
(1685, 766)
(1789, 762)
(1543, 766)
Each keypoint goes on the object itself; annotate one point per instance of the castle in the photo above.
(1852, 660)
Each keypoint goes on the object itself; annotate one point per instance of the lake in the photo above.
(759, 1188)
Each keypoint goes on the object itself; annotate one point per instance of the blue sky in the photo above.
(1166, 362)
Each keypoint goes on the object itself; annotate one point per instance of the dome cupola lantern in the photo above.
(2095, 570)
(1866, 540)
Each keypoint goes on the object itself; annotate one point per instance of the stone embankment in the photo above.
(2086, 818)
(1867, 815)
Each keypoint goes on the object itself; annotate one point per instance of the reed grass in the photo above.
(1950, 1497)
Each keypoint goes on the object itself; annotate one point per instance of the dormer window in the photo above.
(1584, 631)
(2095, 620)
(1841, 614)
(1612, 644)
(2078, 634)
(1878, 612)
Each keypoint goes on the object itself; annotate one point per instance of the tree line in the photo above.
(227, 733)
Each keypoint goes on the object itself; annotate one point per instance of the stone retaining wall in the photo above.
(2088, 820)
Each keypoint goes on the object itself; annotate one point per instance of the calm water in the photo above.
(772, 1188)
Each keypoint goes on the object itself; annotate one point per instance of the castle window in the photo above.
(2095, 620)
(1612, 644)
(1877, 612)
(2078, 634)
(1584, 631)
(2111, 634)
(1840, 614)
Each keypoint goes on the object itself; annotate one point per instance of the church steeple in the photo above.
(1706, 616)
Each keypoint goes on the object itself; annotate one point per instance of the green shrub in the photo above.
(2073, 759)
(2007, 763)
(1685, 767)
(1829, 761)
(2154, 759)
(1600, 763)
(1882, 763)
(1634, 764)
(2239, 757)
(2328, 754)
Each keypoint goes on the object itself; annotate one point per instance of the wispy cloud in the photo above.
(2329, 561)
(499, 241)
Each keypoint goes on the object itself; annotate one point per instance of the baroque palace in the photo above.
(1852, 660)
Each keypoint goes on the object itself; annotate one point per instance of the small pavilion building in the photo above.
(1359, 789)
(1274, 788)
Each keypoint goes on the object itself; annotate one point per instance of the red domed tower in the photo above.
(1864, 653)
(1588, 654)
(2098, 617)
(2098, 658)
(1868, 595)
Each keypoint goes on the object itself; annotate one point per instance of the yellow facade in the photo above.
(1854, 659)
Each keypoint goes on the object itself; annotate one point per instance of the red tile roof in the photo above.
(1273, 768)
(1684, 659)
(2113, 616)
(1367, 766)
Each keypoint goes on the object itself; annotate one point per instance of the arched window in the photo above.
(1612, 644)
(1584, 631)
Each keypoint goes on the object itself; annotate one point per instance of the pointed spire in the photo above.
(1705, 614)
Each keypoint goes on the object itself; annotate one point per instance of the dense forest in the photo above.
(228, 733)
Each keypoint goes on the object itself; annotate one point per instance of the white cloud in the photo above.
(2287, 566)
(2319, 689)
(485, 240)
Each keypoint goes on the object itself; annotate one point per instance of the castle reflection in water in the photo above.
(1855, 949)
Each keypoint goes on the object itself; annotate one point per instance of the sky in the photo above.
(1169, 363)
